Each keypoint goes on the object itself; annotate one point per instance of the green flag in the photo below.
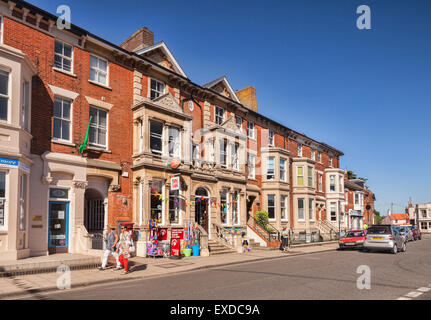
(84, 143)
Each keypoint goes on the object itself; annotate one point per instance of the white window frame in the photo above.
(25, 105)
(211, 154)
(234, 156)
(251, 164)
(330, 211)
(319, 156)
(238, 122)
(157, 92)
(8, 96)
(311, 209)
(1, 28)
(176, 209)
(223, 152)
(5, 201)
(97, 70)
(270, 138)
(330, 161)
(238, 211)
(275, 206)
(176, 154)
(62, 56)
(97, 126)
(310, 179)
(320, 175)
(161, 137)
(268, 168)
(313, 154)
(23, 202)
(282, 170)
(283, 208)
(298, 175)
(250, 130)
(332, 184)
(63, 119)
(303, 209)
(219, 115)
(299, 149)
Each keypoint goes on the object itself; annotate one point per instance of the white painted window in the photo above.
(4, 95)
(23, 203)
(320, 182)
(156, 134)
(219, 115)
(234, 157)
(174, 142)
(211, 153)
(250, 130)
(310, 176)
(300, 176)
(98, 127)
(3, 207)
(310, 209)
(282, 169)
(238, 122)
(235, 207)
(319, 157)
(271, 206)
(271, 138)
(333, 211)
(195, 154)
(63, 56)
(25, 107)
(300, 203)
(331, 183)
(313, 154)
(62, 119)
(157, 89)
(251, 166)
(283, 208)
(356, 198)
(270, 168)
(223, 152)
(99, 70)
(330, 162)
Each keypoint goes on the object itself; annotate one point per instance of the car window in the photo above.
(379, 230)
(354, 234)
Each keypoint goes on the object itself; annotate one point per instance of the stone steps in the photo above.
(215, 247)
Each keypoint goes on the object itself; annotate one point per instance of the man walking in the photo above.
(111, 248)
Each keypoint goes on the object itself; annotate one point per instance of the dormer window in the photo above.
(219, 115)
(157, 89)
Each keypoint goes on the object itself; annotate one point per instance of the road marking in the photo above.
(404, 298)
(413, 294)
(424, 289)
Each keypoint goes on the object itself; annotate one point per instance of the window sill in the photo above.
(252, 179)
(65, 143)
(100, 85)
(93, 148)
(3, 233)
(65, 72)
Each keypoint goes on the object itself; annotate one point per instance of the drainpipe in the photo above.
(191, 98)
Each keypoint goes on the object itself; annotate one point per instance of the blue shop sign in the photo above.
(8, 163)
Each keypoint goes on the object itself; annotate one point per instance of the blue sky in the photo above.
(365, 92)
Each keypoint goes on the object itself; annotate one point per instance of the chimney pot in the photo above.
(140, 39)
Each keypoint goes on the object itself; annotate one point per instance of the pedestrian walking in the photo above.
(284, 239)
(112, 240)
(124, 247)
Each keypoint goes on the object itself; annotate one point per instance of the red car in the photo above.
(353, 239)
(416, 233)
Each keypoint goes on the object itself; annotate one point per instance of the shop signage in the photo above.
(24, 167)
(177, 234)
(37, 218)
(175, 183)
(175, 247)
(8, 163)
(162, 234)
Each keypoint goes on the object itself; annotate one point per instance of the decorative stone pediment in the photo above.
(230, 125)
(168, 101)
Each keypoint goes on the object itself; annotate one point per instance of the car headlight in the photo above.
(360, 241)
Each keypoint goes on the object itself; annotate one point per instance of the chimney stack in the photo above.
(247, 96)
(140, 39)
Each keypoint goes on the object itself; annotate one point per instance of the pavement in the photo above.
(323, 275)
(35, 285)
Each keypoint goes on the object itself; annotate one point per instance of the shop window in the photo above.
(219, 115)
(99, 70)
(156, 201)
(300, 176)
(98, 127)
(333, 208)
(23, 203)
(157, 89)
(301, 216)
(63, 56)
(174, 206)
(223, 207)
(283, 207)
(271, 206)
(174, 143)
(156, 134)
(4, 95)
(270, 168)
(2, 199)
(62, 119)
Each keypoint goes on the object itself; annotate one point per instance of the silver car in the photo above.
(384, 237)
(405, 231)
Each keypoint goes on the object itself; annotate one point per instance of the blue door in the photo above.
(58, 228)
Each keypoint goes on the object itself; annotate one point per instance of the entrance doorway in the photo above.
(58, 235)
(201, 207)
(94, 217)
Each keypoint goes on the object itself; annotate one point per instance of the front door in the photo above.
(58, 234)
(201, 214)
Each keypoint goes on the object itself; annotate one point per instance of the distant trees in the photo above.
(377, 217)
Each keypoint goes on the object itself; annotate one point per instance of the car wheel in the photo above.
(403, 249)
(394, 249)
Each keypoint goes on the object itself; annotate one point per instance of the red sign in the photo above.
(175, 163)
(175, 247)
(162, 234)
(177, 233)
(175, 183)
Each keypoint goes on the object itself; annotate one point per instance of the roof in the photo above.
(399, 216)
(227, 85)
(162, 46)
(351, 185)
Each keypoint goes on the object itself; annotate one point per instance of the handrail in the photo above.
(225, 235)
(265, 234)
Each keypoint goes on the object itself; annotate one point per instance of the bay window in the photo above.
(300, 176)
(25, 111)
(310, 176)
(270, 168)
(4, 95)
(174, 142)
(283, 208)
(333, 211)
(156, 134)
(271, 206)
(283, 169)
(310, 209)
(332, 183)
(301, 216)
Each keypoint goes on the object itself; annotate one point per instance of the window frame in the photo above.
(235, 208)
(250, 132)
(335, 212)
(7, 96)
(234, 156)
(310, 176)
(320, 177)
(173, 155)
(62, 56)
(251, 159)
(271, 138)
(63, 119)
(4, 227)
(298, 200)
(1, 28)
(97, 126)
(310, 209)
(319, 156)
(154, 151)
(299, 150)
(274, 207)
(282, 169)
(99, 70)
(238, 119)
(23, 202)
(283, 208)
(299, 176)
(269, 175)
(158, 93)
(223, 206)
(218, 119)
(176, 209)
(223, 154)
(25, 105)
(332, 184)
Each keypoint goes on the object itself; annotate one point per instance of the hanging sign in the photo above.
(175, 183)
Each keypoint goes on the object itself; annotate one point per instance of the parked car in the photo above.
(352, 239)
(417, 235)
(405, 231)
(385, 238)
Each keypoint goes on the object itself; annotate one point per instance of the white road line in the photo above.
(423, 289)
(413, 294)
(404, 298)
